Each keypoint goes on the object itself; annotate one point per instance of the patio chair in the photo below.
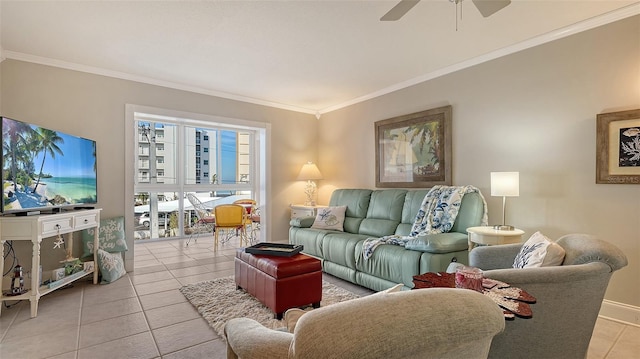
(255, 224)
(230, 218)
(252, 217)
(205, 222)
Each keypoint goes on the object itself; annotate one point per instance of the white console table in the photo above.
(34, 229)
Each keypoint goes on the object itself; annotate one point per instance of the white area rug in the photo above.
(218, 301)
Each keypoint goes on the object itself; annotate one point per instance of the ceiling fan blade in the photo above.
(490, 7)
(399, 10)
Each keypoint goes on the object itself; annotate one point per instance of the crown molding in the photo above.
(147, 80)
(607, 18)
(622, 13)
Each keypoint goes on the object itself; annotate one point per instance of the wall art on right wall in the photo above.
(618, 147)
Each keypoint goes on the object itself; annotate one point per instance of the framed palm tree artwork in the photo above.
(618, 147)
(414, 150)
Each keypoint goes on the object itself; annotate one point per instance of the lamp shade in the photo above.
(506, 184)
(309, 172)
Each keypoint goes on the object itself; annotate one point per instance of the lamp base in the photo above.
(503, 227)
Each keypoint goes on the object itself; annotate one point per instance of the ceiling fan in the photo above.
(486, 8)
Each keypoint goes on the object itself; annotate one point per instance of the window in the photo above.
(217, 161)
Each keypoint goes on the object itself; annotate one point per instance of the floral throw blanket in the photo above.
(437, 214)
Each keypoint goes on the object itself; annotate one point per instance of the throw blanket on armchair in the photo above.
(437, 214)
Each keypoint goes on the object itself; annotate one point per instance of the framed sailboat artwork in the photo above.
(414, 150)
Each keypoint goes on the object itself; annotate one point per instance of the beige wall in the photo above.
(94, 107)
(532, 112)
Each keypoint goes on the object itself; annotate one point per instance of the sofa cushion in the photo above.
(470, 213)
(384, 214)
(439, 243)
(310, 239)
(340, 248)
(391, 263)
(376, 228)
(357, 202)
(302, 222)
(412, 202)
(387, 204)
(330, 218)
(539, 251)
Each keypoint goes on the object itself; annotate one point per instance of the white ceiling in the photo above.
(307, 56)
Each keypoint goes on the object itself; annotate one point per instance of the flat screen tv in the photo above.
(45, 170)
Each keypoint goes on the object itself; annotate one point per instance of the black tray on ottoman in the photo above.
(275, 249)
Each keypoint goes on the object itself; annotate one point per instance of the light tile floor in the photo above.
(143, 315)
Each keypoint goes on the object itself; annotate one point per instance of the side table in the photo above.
(487, 235)
(300, 210)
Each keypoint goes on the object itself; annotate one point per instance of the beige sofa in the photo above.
(425, 323)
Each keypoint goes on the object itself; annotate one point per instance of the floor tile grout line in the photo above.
(146, 319)
(79, 332)
(615, 342)
(13, 320)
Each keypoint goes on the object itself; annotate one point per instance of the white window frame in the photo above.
(258, 174)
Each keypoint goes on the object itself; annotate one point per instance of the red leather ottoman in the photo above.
(280, 283)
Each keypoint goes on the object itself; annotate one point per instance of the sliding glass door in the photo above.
(217, 162)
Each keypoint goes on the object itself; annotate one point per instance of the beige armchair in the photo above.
(568, 297)
(425, 323)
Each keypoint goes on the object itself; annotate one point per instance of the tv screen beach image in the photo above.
(43, 168)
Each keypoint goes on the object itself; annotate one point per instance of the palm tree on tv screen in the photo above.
(48, 144)
(17, 134)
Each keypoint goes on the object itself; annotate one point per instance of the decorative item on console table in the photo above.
(414, 150)
(618, 147)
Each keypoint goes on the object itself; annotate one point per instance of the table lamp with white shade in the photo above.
(310, 173)
(505, 184)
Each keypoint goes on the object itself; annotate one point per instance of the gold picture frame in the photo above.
(618, 147)
(414, 150)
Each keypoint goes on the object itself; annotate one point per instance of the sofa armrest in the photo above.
(302, 222)
(439, 243)
(494, 257)
(249, 339)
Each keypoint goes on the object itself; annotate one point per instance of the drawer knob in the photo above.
(58, 226)
(86, 220)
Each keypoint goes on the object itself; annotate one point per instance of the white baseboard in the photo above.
(620, 312)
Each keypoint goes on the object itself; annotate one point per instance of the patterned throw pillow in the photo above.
(539, 251)
(111, 266)
(330, 218)
(111, 237)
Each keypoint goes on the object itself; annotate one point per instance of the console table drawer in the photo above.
(85, 221)
(57, 225)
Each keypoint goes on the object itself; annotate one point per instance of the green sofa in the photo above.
(377, 213)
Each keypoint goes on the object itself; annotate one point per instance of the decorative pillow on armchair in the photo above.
(539, 251)
(330, 218)
(111, 237)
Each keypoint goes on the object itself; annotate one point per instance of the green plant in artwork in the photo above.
(425, 136)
